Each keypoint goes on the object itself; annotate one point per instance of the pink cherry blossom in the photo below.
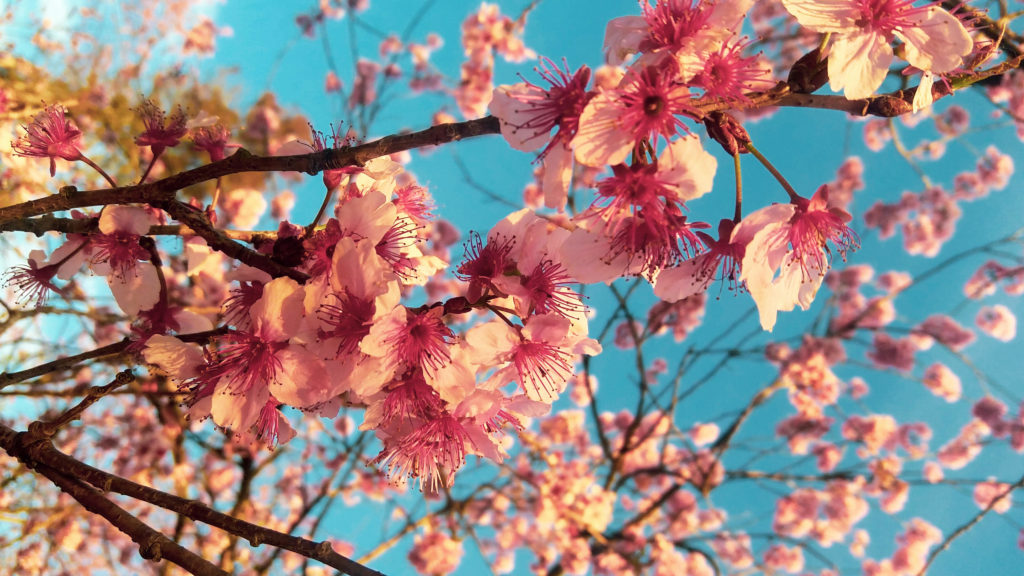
(50, 135)
(787, 257)
(863, 30)
(33, 283)
(998, 322)
(161, 132)
(647, 104)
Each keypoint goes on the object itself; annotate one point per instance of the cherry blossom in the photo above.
(861, 52)
(50, 135)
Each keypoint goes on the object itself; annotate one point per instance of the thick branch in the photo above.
(45, 453)
(152, 544)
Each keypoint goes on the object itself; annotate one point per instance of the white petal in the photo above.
(825, 15)
(238, 411)
(622, 38)
(277, 314)
(858, 63)
(131, 219)
(686, 164)
(938, 43)
(302, 380)
(689, 278)
(557, 175)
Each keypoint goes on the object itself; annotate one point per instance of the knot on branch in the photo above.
(150, 550)
(26, 445)
(323, 549)
(888, 106)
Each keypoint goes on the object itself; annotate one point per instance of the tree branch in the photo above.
(152, 544)
(43, 452)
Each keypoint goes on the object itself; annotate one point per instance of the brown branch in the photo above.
(47, 223)
(26, 446)
(970, 524)
(9, 378)
(50, 427)
(163, 190)
(117, 348)
(199, 223)
(43, 452)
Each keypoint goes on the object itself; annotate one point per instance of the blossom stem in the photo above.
(320, 213)
(778, 176)
(96, 167)
(738, 215)
(498, 312)
(824, 44)
(148, 168)
(216, 195)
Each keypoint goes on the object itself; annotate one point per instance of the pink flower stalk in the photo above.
(161, 132)
(863, 30)
(50, 135)
(646, 105)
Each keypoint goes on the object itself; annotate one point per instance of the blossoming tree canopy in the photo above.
(241, 377)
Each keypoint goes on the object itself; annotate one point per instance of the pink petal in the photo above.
(178, 359)
(825, 15)
(276, 316)
(302, 381)
(557, 175)
(600, 140)
(138, 291)
(131, 219)
(507, 104)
